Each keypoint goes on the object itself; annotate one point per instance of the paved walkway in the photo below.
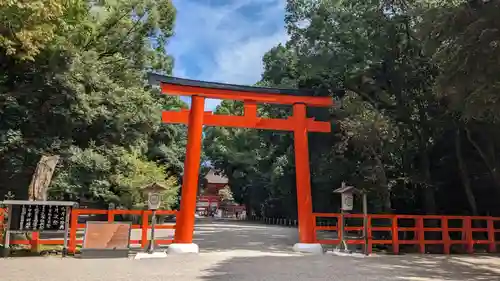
(249, 252)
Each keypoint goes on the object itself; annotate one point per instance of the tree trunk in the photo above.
(42, 177)
(466, 183)
(490, 163)
(384, 191)
(429, 193)
(384, 187)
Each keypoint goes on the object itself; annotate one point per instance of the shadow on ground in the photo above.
(412, 268)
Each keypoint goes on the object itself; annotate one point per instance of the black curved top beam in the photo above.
(155, 79)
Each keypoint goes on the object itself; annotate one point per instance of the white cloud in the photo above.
(242, 64)
(225, 43)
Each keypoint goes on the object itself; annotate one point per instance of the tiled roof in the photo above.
(212, 177)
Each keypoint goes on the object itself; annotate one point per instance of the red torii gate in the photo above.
(195, 118)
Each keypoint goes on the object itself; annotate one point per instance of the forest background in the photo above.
(416, 123)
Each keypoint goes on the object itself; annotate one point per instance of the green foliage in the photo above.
(466, 47)
(418, 121)
(226, 194)
(28, 26)
(110, 176)
(75, 86)
(415, 72)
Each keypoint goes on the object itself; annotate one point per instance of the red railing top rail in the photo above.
(122, 212)
(115, 211)
(390, 216)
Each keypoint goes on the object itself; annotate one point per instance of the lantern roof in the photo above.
(347, 189)
(154, 187)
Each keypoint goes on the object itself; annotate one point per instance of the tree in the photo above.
(81, 92)
(226, 194)
(409, 116)
(29, 26)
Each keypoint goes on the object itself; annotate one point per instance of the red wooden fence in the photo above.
(394, 225)
(418, 225)
(75, 226)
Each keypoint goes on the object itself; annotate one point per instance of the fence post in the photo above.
(468, 235)
(491, 236)
(72, 231)
(395, 235)
(446, 235)
(35, 241)
(340, 226)
(111, 216)
(144, 229)
(2, 218)
(421, 234)
(369, 234)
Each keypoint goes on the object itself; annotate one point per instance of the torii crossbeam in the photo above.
(195, 118)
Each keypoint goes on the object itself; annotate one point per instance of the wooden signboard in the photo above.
(37, 216)
(32, 217)
(106, 240)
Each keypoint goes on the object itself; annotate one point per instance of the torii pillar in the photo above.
(183, 240)
(196, 118)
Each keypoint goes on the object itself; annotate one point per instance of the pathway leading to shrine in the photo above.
(240, 251)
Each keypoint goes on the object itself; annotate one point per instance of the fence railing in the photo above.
(420, 230)
(271, 220)
(73, 240)
(393, 230)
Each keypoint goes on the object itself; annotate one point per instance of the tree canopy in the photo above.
(73, 83)
(415, 124)
(419, 105)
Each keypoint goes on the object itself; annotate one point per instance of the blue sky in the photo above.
(224, 40)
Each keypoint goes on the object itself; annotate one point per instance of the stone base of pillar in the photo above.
(310, 248)
(179, 248)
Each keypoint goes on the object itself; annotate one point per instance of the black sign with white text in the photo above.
(38, 218)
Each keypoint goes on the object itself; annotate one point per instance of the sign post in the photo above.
(154, 203)
(347, 205)
(153, 192)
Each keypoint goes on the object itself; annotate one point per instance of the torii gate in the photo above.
(195, 118)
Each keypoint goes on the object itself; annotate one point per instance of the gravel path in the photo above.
(246, 252)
